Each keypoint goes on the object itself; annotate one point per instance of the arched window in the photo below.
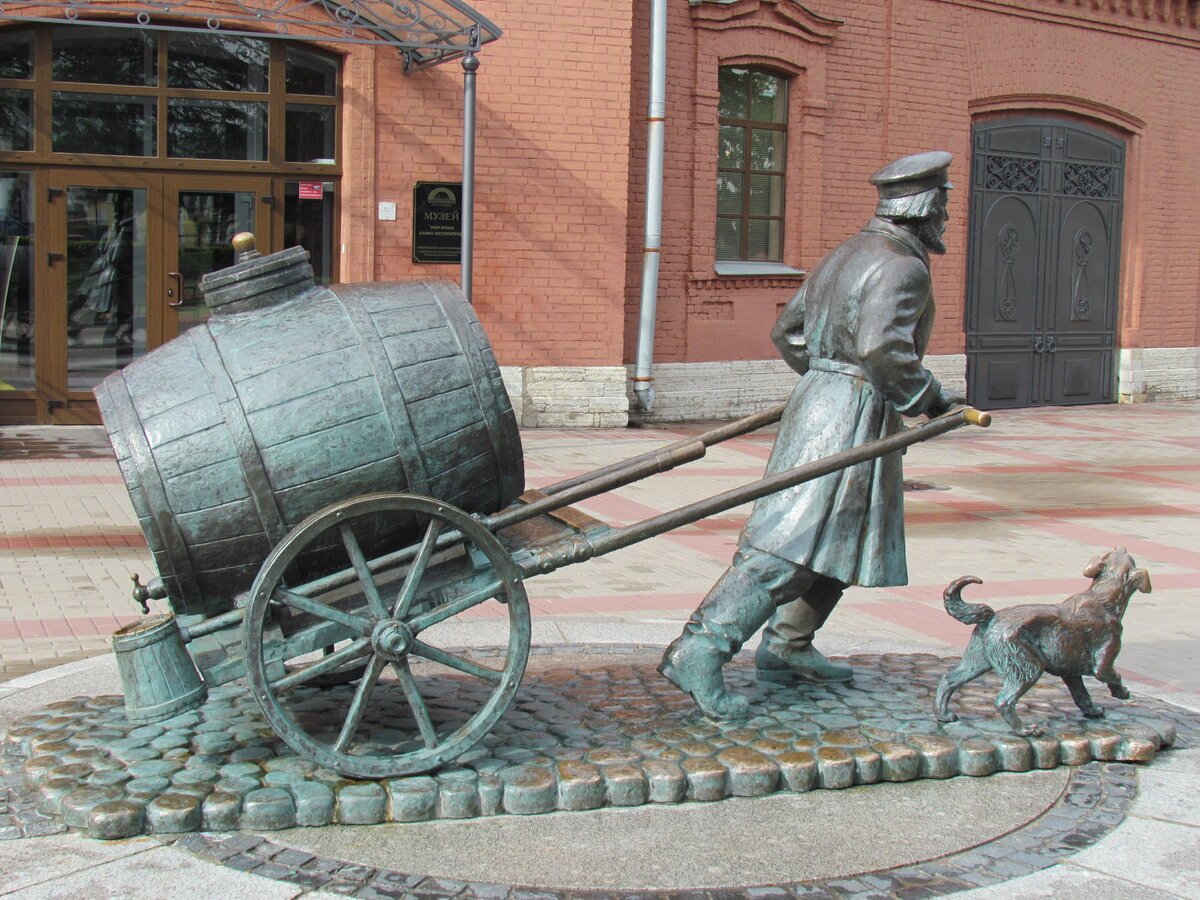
(751, 158)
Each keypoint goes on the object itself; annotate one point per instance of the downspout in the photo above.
(470, 65)
(656, 118)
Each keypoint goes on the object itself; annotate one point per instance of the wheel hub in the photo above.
(392, 639)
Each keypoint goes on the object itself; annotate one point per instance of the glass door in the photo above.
(17, 312)
(205, 213)
(102, 274)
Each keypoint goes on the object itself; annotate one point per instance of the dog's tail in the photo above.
(968, 613)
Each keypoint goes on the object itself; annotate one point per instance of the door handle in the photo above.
(1039, 345)
(177, 291)
(1052, 343)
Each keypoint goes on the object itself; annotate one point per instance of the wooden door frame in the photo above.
(50, 281)
(265, 229)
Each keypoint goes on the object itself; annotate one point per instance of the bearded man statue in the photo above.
(856, 332)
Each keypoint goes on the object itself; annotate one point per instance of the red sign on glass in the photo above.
(312, 190)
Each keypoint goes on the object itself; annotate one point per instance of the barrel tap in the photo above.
(143, 593)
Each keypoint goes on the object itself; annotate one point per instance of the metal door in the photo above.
(1045, 216)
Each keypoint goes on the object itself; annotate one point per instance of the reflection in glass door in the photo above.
(16, 281)
(206, 221)
(106, 281)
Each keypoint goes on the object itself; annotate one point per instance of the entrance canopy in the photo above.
(425, 32)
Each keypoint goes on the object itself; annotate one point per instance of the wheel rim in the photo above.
(387, 628)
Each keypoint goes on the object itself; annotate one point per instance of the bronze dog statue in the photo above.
(1080, 636)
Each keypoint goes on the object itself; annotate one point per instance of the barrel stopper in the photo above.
(244, 243)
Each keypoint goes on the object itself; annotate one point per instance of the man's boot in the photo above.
(786, 654)
(731, 613)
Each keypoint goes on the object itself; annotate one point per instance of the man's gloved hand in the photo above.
(945, 401)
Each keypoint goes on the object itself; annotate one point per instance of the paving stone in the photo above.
(868, 765)
(158, 768)
(268, 809)
(315, 803)
(798, 770)
(835, 768)
(457, 799)
(897, 761)
(625, 785)
(363, 803)
(666, 781)
(52, 791)
(221, 811)
(580, 785)
(939, 755)
(491, 794)
(977, 757)
(528, 790)
(705, 779)
(1074, 749)
(1105, 744)
(750, 773)
(173, 813)
(77, 804)
(411, 799)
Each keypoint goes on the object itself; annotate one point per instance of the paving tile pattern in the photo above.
(577, 737)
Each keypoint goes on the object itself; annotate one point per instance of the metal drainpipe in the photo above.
(470, 66)
(656, 118)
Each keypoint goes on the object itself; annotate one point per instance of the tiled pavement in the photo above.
(1023, 505)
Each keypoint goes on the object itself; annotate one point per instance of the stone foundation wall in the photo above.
(567, 396)
(1159, 373)
(688, 392)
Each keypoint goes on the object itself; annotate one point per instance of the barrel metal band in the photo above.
(253, 471)
(391, 396)
(162, 519)
(457, 313)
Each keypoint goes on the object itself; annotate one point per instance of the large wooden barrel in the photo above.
(292, 397)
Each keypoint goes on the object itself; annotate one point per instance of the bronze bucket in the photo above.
(157, 674)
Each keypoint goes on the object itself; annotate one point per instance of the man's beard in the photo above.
(931, 237)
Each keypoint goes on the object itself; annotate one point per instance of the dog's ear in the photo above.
(1094, 568)
(1142, 578)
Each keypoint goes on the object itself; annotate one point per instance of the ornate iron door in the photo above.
(1042, 264)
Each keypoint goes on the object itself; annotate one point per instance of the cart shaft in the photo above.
(583, 547)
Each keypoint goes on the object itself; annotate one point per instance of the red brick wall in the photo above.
(551, 164)
(899, 77)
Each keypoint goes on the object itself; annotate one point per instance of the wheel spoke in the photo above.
(356, 624)
(417, 569)
(359, 704)
(433, 654)
(454, 607)
(359, 561)
(358, 649)
(417, 703)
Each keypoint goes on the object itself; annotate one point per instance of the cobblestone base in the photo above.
(1094, 803)
(577, 737)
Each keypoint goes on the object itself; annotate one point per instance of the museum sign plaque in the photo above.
(437, 222)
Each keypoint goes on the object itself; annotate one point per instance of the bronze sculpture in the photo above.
(1080, 636)
(856, 332)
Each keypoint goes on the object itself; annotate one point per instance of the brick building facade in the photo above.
(560, 184)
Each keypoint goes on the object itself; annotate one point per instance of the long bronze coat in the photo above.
(865, 313)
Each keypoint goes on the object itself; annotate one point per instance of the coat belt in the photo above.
(837, 367)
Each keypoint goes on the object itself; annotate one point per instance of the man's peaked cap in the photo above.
(908, 187)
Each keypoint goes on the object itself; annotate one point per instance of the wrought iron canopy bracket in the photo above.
(425, 32)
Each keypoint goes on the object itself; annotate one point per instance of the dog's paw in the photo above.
(1119, 691)
(1031, 731)
(1093, 712)
(946, 717)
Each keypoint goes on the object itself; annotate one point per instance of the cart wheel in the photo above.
(458, 565)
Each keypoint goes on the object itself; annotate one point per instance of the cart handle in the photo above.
(620, 538)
